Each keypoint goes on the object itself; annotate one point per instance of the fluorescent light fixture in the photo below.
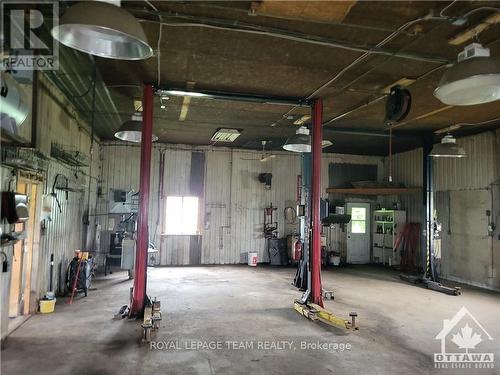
(299, 142)
(326, 143)
(186, 93)
(448, 148)
(474, 79)
(302, 120)
(225, 135)
(131, 131)
(102, 29)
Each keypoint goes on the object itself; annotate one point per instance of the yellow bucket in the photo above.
(47, 306)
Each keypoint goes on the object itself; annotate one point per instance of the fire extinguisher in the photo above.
(297, 254)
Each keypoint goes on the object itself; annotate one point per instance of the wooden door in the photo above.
(20, 285)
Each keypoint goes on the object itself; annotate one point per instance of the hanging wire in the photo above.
(158, 44)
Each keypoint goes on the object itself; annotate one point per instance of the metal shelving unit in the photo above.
(386, 226)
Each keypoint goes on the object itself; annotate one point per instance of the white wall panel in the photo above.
(465, 189)
(233, 205)
(66, 231)
(475, 171)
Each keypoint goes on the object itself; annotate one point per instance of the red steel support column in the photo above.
(139, 292)
(316, 149)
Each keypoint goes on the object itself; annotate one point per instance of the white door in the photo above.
(358, 233)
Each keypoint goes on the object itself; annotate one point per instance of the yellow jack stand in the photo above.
(315, 312)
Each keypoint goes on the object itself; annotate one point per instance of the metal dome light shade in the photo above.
(299, 142)
(103, 30)
(131, 131)
(448, 148)
(474, 79)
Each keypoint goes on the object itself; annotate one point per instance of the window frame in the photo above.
(167, 222)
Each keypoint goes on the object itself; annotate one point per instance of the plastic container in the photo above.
(47, 306)
(252, 259)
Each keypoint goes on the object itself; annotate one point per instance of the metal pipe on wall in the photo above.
(317, 135)
(139, 290)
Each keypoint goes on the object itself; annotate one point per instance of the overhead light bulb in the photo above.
(448, 148)
(474, 79)
(102, 29)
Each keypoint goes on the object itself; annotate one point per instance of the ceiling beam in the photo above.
(303, 10)
(473, 31)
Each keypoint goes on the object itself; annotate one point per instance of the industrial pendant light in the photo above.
(13, 103)
(131, 130)
(474, 79)
(299, 142)
(103, 30)
(448, 148)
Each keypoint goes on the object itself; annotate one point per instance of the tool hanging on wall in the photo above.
(270, 225)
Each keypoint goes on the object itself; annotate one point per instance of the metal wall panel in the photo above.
(464, 190)
(65, 232)
(217, 207)
(231, 215)
(475, 171)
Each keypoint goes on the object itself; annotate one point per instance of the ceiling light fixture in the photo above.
(102, 29)
(299, 142)
(13, 103)
(225, 135)
(326, 143)
(186, 93)
(131, 130)
(302, 120)
(474, 79)
(448, 148)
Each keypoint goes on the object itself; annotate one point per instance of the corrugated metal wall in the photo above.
(66, 231)
(336, 235)
(232, 208)
(465, 189)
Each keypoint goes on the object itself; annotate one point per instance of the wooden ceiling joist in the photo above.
(373, 191)
(472, 32)
(305, 10)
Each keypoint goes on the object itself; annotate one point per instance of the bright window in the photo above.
(181, 216)
(358, 220)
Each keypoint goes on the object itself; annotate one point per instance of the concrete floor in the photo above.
(398, 323)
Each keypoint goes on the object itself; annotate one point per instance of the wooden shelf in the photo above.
(373, 191)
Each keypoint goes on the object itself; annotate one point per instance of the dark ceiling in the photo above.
(209, 58)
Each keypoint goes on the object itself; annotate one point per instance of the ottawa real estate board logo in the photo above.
(460, 338)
